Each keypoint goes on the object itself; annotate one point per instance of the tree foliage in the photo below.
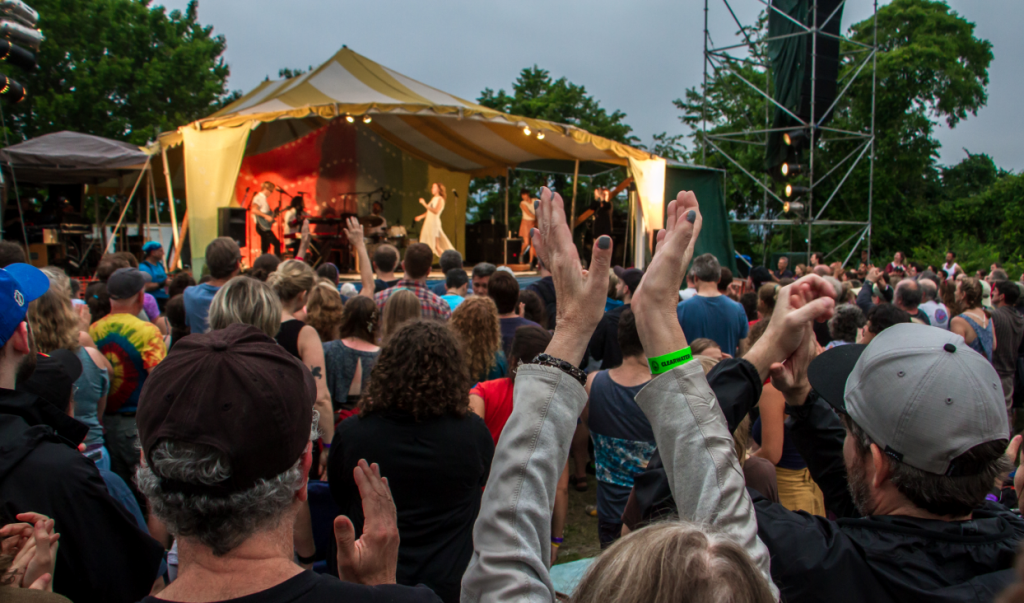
(120, 69)
(930, 67)
(536, 94)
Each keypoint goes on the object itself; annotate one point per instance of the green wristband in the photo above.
(664, 364)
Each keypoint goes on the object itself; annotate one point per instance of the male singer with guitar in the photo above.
(260, 206)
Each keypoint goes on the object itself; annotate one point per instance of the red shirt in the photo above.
(497, 395)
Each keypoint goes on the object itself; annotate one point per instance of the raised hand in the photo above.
(655, 300)
(373, 559)
(580, 296)
(790, 376)
(354, 231)
(798, 305)
(37, 556)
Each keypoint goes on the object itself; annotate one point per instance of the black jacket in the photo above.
(103, 555)
(878, 558)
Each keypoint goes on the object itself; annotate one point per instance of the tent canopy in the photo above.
(71, 158)
(437, 127)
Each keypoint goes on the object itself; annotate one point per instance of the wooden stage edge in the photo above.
(435, 275)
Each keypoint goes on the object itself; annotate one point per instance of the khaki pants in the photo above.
(798, 492)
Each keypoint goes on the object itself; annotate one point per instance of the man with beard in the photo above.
(905, 436)
(103, 555)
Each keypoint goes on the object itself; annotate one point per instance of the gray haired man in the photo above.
(225, 424)
(709, 313)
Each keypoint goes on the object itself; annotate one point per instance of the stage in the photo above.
(436, 276)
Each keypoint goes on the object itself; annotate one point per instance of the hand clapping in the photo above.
(373, 559)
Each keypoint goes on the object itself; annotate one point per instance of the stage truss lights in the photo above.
(795, 138)
(11, 90)
(19, 11)
(350, 119)
(794, 206)
(540, 135)
(526, 130)
(789, 169)
(367, 119)
(796, 191)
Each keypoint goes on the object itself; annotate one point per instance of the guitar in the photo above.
(265, 224)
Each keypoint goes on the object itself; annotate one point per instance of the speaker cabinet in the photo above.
(231, 223)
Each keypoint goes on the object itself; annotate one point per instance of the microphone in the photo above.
(456, 193)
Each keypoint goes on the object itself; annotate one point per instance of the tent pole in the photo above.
(176, 258)
(170, 200)
(128, 202)
(149, 197)
(507, 231)
(575, 179)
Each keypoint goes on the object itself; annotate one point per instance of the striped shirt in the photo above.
(431, 305)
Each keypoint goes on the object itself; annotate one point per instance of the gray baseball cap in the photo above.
(919, 392)
(126, 282)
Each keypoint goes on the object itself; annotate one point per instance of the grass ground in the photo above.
(581, 539)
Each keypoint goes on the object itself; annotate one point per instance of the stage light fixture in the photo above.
(526, 130)
(795, 138)
(17, 56)
(789, 206)
(796, 191)
(367, 119)
(540, 135)
(20, 34)
(350, 119)
(11, 90)
(789, 169)
(19, 11)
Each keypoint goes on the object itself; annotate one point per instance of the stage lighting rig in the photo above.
(350, 119)
(792, 206)
(790, 169)
(17, 31)
(795, 138)
(540, 135)
(367, 119)
(796, 191)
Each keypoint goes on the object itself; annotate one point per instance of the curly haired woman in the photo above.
(476, 325)
(323, 310)
(414, 421)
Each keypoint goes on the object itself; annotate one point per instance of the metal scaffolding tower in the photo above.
(725, 58)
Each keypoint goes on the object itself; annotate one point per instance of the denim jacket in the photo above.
(512, 532)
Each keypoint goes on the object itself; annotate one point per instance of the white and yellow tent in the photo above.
(456, 138)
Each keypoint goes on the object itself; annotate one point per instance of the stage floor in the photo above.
(436, 276)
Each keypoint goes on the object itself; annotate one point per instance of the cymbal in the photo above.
(371, 220)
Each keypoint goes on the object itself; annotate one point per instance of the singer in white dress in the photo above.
(432, 234)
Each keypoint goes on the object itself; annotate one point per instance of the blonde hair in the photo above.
(324, 309)
(291, 279)
(401, 307)
(442, 190)
(671, 561)
(476, 326)
(53, 319)
(245, 300)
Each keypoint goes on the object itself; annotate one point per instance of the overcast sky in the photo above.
(636, 56)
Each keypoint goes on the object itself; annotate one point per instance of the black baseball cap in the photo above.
(631, 278)
(54, 377)
(234, 390)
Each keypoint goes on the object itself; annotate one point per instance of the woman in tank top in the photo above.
(973, 323)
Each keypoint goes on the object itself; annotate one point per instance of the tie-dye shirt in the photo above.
(133, 348)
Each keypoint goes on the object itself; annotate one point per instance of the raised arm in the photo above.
(354, 232)
(511, 538)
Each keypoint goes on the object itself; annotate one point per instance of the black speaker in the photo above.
(826, 63)
(483, 242)
(231, 223)
(515, 248)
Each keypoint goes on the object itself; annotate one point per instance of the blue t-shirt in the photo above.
(453, 300)
(157, 275)
(197, 306)
(717, 318)
(508, 331)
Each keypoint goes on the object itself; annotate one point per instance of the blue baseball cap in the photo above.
(19, 285)
(150, 246)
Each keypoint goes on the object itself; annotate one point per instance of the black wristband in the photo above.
(562, 365)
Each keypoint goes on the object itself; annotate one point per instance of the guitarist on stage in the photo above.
(260, 207)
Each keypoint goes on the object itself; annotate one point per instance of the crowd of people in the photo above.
(269, 434)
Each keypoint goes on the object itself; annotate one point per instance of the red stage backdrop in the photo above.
(321, 164)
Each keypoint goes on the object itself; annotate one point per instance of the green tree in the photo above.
(930, 67)
(537, 95)
(120, 69)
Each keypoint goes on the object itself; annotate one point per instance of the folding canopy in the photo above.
(71, 158)
(442, 130)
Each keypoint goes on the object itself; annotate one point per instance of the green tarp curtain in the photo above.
(709, 187)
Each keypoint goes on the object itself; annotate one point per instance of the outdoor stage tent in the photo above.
(71, 158)
(409, 122)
